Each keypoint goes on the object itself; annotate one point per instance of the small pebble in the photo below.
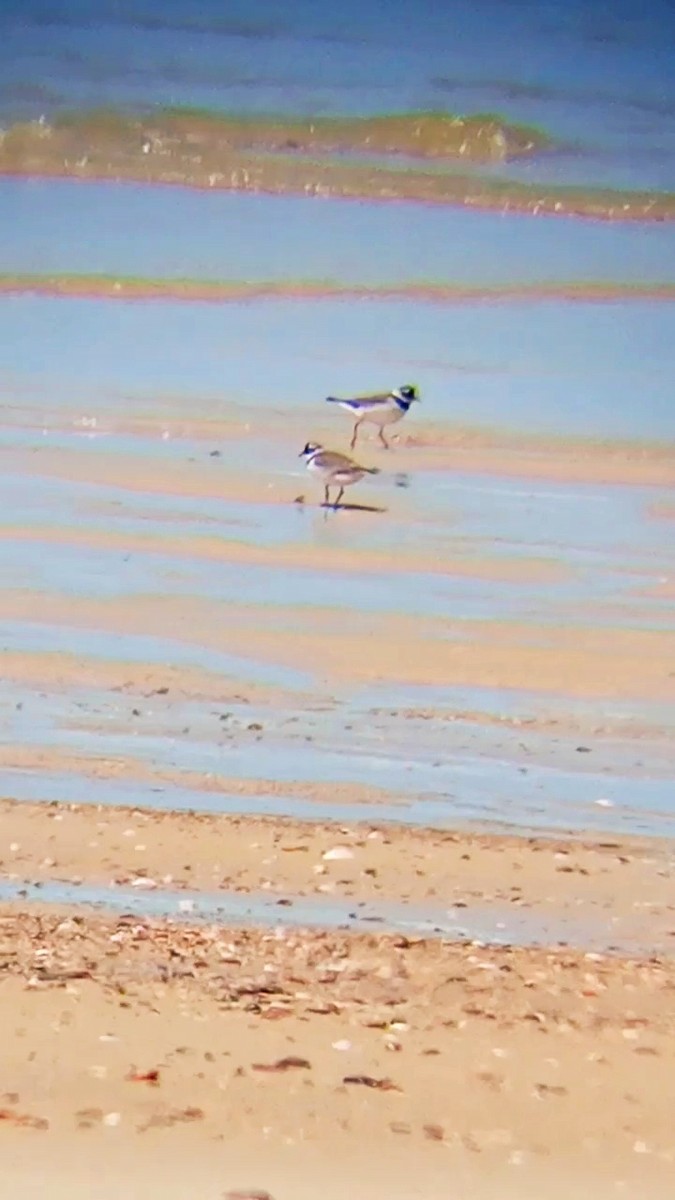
(338, 852)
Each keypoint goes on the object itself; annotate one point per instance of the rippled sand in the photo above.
(337, 646)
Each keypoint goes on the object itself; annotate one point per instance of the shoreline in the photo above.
(549, 886)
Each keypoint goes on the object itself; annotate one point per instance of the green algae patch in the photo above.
(326, 157)
(482, 138)
(426, 135)
(223, 291)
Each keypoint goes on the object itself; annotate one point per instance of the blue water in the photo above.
(588, 532)
(130, 229)
(598, 77)
(600, 370)
(483, 922)
(490, 795)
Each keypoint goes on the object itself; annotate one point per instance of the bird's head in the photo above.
(409, 392)
(310, 449)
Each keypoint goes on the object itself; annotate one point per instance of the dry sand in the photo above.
(202, 1060)
(196, 1060)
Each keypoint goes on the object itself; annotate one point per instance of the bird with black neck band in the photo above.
(381, 409)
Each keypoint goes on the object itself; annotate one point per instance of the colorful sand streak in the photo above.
(224, 291)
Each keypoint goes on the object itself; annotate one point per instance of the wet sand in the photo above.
(217, 549)
(613, 891)
(57, 671)
(436, 448)
(337, 646)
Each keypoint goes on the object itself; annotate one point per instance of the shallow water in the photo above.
(482, 923)
(598, 78)
(164, 233)
(551, 367)
(596, 545)
(429, 771)
(96, 506)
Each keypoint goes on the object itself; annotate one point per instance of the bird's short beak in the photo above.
(301, 454)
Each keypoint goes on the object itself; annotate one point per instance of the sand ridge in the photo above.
(437, 447)
(624, 885)
(535, 569)
(128, 288)
(341, 646)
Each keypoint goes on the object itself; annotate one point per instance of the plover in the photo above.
(385, 408)
(336, 470)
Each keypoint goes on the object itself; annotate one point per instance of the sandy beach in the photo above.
(523, 1044)
(267, 1004)
(284, 1060)
(295, 901)
(337, 844)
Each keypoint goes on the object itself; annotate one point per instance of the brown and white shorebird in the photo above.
(336, 470)
(382, 409)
